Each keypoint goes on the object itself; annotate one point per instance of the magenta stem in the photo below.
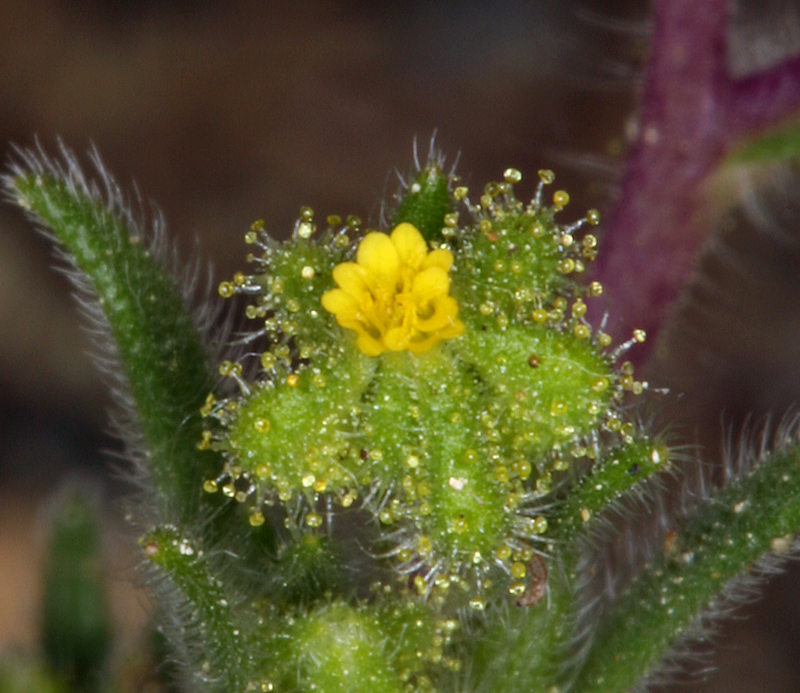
(691, 114)
(764, 99)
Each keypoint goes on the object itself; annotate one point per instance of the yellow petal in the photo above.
(369, 345)
(422, 345)
(439, 258)
(411, 246)
(445, 309)
(418, 346)
(397, 338)
(371, 317)
(454, 330)
(395, 297)
(377, 254)
(341, 303)
(353, 325)
(353, 279)
(428, 284)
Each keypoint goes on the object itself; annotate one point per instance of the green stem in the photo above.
(210, 631)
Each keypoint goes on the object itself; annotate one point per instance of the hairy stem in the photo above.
(208, 627)
(719, 544)
(692, 113)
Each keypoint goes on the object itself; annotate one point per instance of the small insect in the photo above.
(537, 582)
(671, 543)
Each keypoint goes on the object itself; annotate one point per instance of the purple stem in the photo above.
(691, 114)
(761, 100)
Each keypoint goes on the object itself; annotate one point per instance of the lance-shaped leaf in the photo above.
(621, 475)
(129, 294)
(714, 552)
(426, 202)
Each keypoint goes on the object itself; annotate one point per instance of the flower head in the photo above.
(396, 295)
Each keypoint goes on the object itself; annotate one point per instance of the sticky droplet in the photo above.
(546, 176)
(314, 520)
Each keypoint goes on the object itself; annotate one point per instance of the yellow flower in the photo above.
(396, 295)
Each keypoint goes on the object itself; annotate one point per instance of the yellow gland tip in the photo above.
(546, 176)
(560, 198)
(395, 297)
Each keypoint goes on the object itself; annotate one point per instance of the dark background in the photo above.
(225, 113)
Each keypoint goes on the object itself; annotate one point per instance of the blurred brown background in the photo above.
(228, 112)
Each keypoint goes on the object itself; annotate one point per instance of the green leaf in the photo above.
(425, 202)
(156, 340)
(622, 471)
(775, 145)
(76, 621)
(721, 542)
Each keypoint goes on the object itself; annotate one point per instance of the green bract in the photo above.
(462, 452)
